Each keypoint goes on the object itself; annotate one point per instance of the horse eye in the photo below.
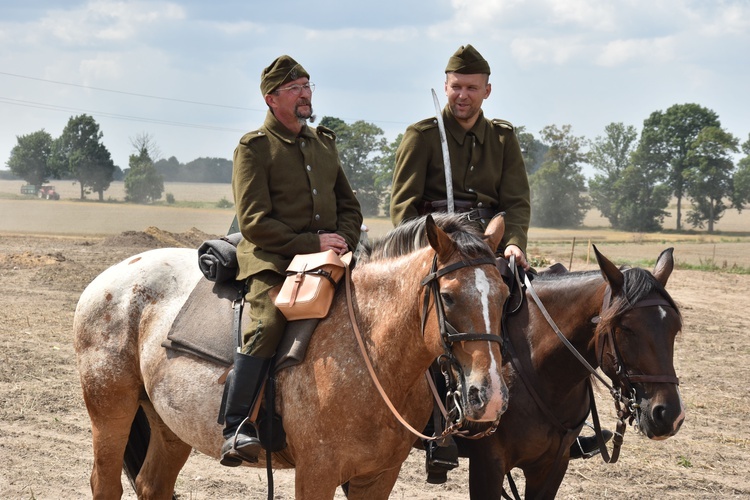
(447, 299)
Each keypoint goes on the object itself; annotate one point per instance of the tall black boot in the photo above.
(242, 388)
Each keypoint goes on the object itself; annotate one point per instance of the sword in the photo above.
(446, 155)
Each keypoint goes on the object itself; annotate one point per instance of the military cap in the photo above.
(282, 70)
(468, 61)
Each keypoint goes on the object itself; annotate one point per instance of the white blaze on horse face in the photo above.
(662, 313)
(483, 287)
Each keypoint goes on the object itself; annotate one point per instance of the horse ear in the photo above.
(439, 240)
(495, 231)
(664, 266)
(610, 272)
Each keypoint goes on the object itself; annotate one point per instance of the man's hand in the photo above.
(520, 257)
(333, 241)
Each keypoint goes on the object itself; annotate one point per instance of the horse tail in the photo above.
(135, 450)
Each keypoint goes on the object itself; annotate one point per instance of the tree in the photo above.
(533, 150)
(80, 154)
(708, 175)
(666, 139)
(30, 159)
(557, 187)
(610, 155)
(143, 184)
(741, 194)
(384, 175)
(639, 200)
(360, 146)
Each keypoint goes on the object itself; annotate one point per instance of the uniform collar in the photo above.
(457, 131)
(275, 127)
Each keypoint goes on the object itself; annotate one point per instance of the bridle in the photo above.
(448, 334)
(447, 362)
(623, 388)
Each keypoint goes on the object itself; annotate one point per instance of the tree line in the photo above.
(682, 152)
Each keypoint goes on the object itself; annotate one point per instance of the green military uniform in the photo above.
(287, 188)
(487, 171)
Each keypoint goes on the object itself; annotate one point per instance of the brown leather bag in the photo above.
(310, 284)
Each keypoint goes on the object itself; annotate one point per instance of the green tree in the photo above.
(557, 188)
(384, 176)
(610, 155)
(741, 194)
(708, 175)
(143, 184)
(360, 146)
(665, 143)
(639, 200)
(532, 149)
(30, 158)
(80, 154)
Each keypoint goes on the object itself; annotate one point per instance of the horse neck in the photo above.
(572, 303)
(388, 305)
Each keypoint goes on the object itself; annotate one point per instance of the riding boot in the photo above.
(587, 447)
(242, 388)
(440, 458)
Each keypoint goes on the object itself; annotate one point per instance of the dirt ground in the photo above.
(45, 438)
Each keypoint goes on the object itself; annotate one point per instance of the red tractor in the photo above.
(48, 193)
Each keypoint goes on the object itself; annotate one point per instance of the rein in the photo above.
(622, 378)
(448, 335)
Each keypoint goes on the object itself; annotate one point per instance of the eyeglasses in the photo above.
(297, 89)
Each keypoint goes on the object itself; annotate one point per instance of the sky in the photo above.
(187, 72)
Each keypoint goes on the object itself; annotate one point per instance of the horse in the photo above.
(338, 428)
(622, 321)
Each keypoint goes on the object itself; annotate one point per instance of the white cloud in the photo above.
(539, 51)
(619, 52)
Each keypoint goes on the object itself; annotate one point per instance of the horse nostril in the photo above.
(475, 396)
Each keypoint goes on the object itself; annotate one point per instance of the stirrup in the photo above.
(588, 446)
(232, 456)
(439, 460)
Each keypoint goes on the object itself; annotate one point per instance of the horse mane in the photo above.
(637, 284)
(411, 236)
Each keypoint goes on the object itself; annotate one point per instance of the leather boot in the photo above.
(242, 388)
(440, 458)
(587, 447)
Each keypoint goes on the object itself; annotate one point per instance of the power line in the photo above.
(52, 107)
(185, 101)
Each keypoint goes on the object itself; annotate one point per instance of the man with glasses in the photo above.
(292, 197)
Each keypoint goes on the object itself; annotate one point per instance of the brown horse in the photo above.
(625, 324)
(337, 426)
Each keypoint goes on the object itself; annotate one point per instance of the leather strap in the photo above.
(368, 363)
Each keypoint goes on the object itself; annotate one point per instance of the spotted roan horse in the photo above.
(338, 427)
(623, 322)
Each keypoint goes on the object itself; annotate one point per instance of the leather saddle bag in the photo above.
(310, 284)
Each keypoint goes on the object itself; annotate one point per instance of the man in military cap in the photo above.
(292, 197)
(488, 173)
(488, 177)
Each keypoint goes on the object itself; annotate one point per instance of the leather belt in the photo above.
(475, 213)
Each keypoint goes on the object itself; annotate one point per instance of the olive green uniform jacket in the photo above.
(288, 188)
(487, 170)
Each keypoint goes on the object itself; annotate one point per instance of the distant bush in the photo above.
(224, 203)
(170, 199)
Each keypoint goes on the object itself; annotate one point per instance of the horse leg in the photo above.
(165, 458)
(373, 487)
(111, 414)
(543, 482)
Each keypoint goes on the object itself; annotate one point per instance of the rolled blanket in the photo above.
(217, 259)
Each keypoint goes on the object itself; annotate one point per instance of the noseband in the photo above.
(449, 365)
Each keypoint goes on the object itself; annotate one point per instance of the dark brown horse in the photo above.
(624, 322)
